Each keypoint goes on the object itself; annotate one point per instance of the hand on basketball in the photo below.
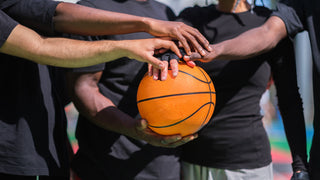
(170, 59)
(172, 141)
(195, 56)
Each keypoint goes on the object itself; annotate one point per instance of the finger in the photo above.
(191, 63)
(155, 74)
(168, 45)
(174, 48)
(195, 43)
(168, 140)
(200, 38)
(161, 51)
(174, 67)
(180, 44)
(150, 70)
(184, 140)
(183, 41)
(164, 72)
(142, 125)
(192, 57)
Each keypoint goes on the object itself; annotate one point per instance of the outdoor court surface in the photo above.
(279, 147)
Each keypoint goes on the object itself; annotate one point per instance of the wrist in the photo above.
(216, 51)
(146, 24)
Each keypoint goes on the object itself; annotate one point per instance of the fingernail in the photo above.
(155, 77)
(209, 48)
(175, 74)
(161, 66)
(203, 52)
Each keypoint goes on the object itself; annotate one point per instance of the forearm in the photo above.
(251, 43)
(63, 52)
(76, 19)
(97, 108)
(247, 45)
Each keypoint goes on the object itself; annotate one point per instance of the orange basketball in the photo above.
(181, 105)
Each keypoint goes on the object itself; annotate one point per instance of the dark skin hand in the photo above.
(77, 19)
(101, 111)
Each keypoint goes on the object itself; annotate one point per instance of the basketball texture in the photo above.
(181, 105)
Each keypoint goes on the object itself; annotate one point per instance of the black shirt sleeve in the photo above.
(291, 12)
(35, 14)
(6, 26)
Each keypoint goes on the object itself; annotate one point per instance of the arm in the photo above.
(25, 43)
(101, 111)
(248, 44)
(77, 19)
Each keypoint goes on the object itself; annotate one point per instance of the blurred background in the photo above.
(272, 118)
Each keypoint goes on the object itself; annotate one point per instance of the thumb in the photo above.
(193, 57)
(142, 124)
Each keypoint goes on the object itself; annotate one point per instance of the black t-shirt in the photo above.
(110, 154)
(235, 137)
(6, 26)
(32, 119)
(301, 15)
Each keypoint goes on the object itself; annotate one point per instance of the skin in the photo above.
(72, 18)
(25, 43)
(100, 110)
(223, 6)
(249, 44)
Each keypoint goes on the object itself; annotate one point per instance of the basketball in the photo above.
(180, 105)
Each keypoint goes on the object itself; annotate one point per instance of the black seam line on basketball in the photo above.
(205, 118)
(210, 99)
(195, 77)
(182, 119)
(182, 94)
(201, 70)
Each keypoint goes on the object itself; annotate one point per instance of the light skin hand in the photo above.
(144, 50)
(155, 72)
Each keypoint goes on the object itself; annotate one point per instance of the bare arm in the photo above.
(24, 42)
(102, 112)
(77, 19)
(248, 44)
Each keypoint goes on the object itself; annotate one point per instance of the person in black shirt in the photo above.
(291, 17)
(32, 119)
(234, 143)
(105, 96)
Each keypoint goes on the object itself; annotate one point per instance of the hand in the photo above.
(145, 49)
(181, 32)
(172, 141)
(197, 57)
(167, 57)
